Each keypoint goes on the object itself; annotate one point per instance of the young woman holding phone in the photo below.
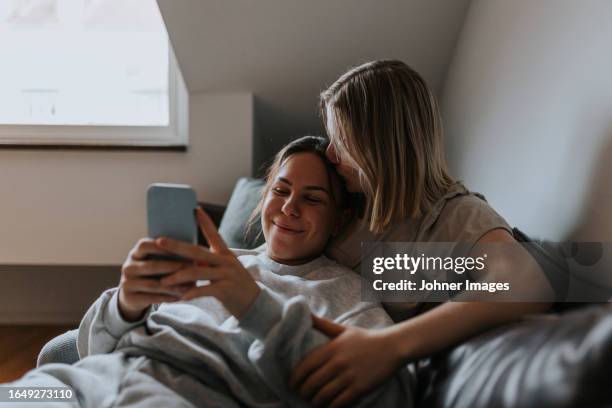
(170, 342)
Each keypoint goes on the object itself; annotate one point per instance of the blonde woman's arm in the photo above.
(362, 359)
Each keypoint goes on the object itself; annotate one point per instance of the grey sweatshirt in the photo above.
(250, 359)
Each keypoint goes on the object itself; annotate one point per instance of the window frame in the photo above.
(174, 136)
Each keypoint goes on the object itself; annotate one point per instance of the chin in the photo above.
(283, 250)
(287, 251)
(285, 256)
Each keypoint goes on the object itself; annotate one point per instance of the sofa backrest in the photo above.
(233, 227)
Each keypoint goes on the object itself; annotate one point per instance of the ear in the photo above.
(342, 220)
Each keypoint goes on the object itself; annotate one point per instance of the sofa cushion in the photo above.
(233, 227)
(61, 349)
(546, 361)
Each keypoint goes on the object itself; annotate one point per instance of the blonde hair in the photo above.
(389, 125)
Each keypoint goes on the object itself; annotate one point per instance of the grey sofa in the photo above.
(561, 359)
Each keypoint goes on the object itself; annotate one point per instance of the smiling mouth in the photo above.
(286, 228)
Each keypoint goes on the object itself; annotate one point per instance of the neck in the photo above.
(291, 261)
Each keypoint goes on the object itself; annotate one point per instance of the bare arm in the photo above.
(453, 322)
(348, 357)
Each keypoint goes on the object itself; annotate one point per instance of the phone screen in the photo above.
(171, 214)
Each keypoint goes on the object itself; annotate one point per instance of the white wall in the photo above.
(528, 111)
(287, 51)
(88, 207)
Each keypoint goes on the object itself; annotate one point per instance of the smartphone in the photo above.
(171, 214)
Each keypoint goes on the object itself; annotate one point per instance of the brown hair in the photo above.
(390, 126)
(308, 144)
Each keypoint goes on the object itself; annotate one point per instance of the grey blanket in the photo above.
(195, 354)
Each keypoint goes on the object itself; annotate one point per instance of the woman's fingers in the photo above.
(183, 287)
(210, 233)
(344, 399)
(151, 286)
(190, 251)
(327, 327)
(317, 380)
(329, 391)
(309, 364)
(192, 274)
(136, 269)
(206, 290)
(146, 247)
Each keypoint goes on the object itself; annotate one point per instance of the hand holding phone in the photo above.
(171, 214)
(140, 284)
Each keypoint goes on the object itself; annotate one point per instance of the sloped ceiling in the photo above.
(287, 51)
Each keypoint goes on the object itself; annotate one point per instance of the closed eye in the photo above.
(314, 199)
(280, 191)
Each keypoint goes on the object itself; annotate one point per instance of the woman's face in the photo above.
(345, 166)
(299, 213)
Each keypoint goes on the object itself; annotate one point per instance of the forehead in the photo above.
(305, 169)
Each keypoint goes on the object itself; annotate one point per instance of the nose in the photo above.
(290, 208)
(331, 154)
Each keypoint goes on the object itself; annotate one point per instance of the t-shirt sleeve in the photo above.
(466, 218)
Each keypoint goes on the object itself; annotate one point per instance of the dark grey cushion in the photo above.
(243, 201)
(542, 361)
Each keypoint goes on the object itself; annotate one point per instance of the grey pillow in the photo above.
(233, 225)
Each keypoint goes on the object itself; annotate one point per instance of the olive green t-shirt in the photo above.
(458, 216)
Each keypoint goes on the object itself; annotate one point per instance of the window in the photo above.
(88, 72)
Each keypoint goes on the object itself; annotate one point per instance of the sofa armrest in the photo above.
(61, 349)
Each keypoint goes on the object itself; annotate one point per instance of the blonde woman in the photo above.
(387, 144)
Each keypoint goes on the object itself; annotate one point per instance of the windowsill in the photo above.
(113, 147)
